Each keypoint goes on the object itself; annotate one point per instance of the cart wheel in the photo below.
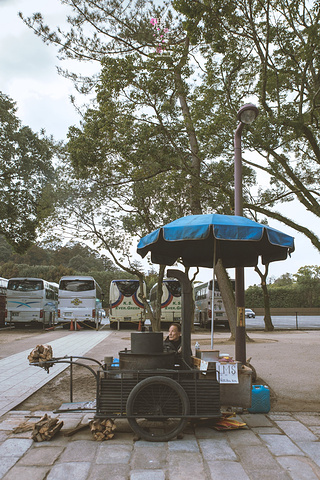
(156, 409)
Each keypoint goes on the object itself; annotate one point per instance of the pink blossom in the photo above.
(154, 21)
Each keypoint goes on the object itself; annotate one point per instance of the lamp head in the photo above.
(247, 113)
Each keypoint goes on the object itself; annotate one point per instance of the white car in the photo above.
(249, 313)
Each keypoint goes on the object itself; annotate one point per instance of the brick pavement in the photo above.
(273, 446)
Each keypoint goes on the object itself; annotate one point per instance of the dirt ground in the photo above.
(280, 359)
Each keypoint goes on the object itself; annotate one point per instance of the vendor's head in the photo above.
(174, 332)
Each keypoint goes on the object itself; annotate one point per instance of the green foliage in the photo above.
(53, 263)
(283, 280)
(26, 178)
(304, 292)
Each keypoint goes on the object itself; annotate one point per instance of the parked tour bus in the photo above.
(3, 296)
(31, 300)
(170, 300)
(80, 301)
(125, 303)
(203, 305)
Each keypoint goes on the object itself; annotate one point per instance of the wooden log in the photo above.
(46, 428)
(40, 353)
(102, 429)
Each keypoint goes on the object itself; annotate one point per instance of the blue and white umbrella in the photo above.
(201, 240)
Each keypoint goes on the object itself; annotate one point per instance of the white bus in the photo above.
(203, 305)
(80, 301)
(3, 296)
(170, 300)
(125, 303)
(31, 300)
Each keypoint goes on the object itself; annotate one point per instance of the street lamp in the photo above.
(246, 115)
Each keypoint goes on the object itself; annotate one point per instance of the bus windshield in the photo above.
(25, 285)
(76, 285)
(174, 287)
(127, 287)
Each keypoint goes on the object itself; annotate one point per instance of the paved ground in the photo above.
(278, 445)
(18, 380)
(275, 446)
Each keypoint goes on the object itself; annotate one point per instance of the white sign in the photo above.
(228, 372)
(203, 365)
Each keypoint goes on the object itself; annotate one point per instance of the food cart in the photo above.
(154, 391)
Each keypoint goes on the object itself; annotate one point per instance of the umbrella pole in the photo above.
(212, 295)
(240, 344)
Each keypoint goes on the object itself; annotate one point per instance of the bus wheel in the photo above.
(157, 408)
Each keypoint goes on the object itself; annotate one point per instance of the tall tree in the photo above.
(267, 51)
(166, 112)
(26, 177)
(140, 143)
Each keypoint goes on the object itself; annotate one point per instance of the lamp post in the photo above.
(246, 115)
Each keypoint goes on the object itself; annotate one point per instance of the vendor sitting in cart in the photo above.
(173, 341)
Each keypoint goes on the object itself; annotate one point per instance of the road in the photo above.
(285, 322)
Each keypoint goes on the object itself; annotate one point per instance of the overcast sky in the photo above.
(28, 68)
(28, 75)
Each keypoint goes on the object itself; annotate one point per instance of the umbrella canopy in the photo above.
(237, 241)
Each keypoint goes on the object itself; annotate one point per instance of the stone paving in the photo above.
(19, 380)
(272, 446)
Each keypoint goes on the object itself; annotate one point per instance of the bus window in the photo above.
(76, 285)
(25, 285)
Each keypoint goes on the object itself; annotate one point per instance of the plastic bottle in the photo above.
(197, 349)
(260, 399)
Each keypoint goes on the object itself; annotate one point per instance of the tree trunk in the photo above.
(195, 195)
(227, 295)
(268, 325)
(194, 183)
(156, 316)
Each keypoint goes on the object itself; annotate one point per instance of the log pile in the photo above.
(46, 428)
(42, 353)
(102, 429)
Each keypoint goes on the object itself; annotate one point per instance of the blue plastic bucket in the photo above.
(260, 399)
